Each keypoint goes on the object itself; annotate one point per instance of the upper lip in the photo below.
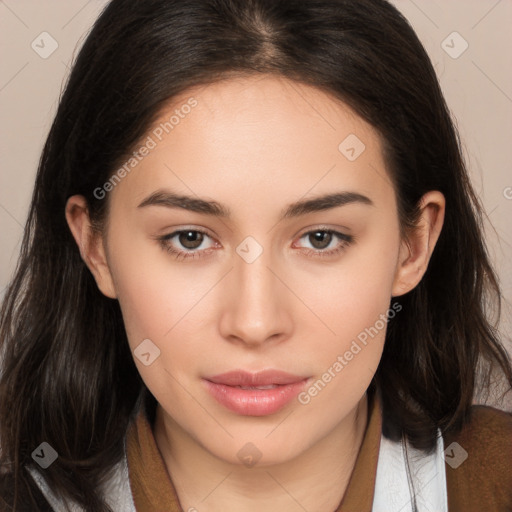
(261, 378)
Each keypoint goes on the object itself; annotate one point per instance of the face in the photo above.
(266, 276)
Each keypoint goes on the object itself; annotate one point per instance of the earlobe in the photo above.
(90, 244)
(415, 252)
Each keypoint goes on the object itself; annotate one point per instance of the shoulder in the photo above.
(478, 461)
(488, 434)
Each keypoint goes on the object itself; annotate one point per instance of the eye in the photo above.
(186, 243)
(326, 242)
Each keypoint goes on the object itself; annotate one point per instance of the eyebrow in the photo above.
(324, 202)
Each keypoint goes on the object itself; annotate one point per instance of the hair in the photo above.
(68, 376)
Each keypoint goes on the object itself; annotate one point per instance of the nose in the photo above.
(257, 306)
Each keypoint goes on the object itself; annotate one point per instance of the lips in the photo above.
(255, 394)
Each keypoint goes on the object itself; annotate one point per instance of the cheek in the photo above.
(146, 301)
(354, 301)
(355, 304)
(155, 294)
(352, 295)
(159, 303)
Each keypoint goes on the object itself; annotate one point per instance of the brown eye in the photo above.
(320, 239)
(325, 243)
(187, 243)
(190, 239)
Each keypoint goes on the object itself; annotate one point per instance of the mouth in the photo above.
(255, 394)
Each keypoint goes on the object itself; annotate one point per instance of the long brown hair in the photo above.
(68, 377)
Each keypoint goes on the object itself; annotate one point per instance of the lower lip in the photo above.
(257, 402)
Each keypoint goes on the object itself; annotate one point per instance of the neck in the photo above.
(315, 480)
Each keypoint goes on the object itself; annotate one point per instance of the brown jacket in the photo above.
(483, 482)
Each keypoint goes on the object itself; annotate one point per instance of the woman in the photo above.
(253, 275)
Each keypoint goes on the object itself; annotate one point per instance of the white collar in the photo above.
(427, 478)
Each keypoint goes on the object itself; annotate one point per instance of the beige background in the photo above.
(477, 85)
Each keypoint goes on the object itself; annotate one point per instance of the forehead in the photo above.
(265, 136)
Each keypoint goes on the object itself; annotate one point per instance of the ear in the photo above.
(415, 252)
(90, 244)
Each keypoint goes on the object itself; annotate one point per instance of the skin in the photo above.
(255, 145)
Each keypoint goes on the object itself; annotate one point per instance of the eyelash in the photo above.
(345, 241)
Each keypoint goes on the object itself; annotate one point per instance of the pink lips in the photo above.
(255, 394)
